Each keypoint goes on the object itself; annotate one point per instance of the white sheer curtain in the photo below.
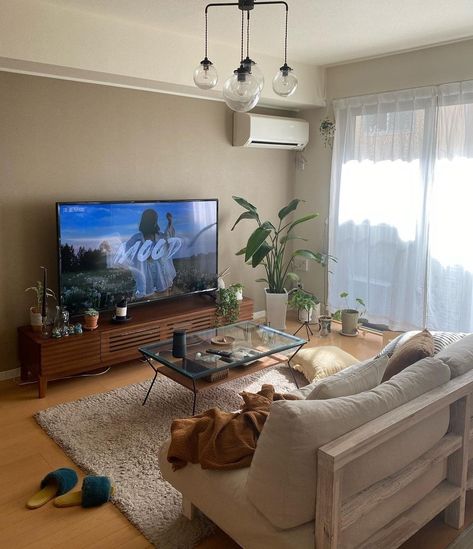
(401, 186)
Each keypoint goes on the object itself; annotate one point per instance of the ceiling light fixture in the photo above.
(242, 90)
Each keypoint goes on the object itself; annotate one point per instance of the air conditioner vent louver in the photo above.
(273, 132)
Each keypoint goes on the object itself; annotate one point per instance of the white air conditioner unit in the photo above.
(270, 132)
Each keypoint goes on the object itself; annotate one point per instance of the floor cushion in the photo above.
(319, 362)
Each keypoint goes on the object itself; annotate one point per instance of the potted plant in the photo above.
(238, 289)
(227, 307)
(91, 317)
(350, 316)
(305, 304)
(268, 246)
(36, 319)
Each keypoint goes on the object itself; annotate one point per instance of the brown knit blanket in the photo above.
(222, 440)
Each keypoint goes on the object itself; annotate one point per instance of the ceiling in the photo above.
(321, 32)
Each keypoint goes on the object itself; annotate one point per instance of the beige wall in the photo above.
(67, 141)
(449, 63)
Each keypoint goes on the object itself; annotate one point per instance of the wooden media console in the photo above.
(114, 343)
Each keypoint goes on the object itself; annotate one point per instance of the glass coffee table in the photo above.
(222, 354)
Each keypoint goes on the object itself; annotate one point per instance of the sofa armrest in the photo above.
(333, 514)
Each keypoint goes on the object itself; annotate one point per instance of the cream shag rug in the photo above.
(113, 434)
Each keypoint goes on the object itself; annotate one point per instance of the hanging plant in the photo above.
(327, 131)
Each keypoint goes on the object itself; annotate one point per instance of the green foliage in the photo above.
(301, 300)
(267, 245)
(360, 306)
(228, 308)
(91, 312)
(38, 289)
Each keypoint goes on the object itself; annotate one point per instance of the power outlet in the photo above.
(301, 264)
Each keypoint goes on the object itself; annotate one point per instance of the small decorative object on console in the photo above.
(91, 318)
(121, 309)
(36, 312)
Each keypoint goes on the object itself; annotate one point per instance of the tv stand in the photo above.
(48, 359)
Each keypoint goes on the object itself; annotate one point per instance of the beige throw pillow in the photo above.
(351, 381)
(319, 362)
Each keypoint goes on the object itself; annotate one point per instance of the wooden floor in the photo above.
(27, 454)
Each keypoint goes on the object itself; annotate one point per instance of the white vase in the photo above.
(276, 309)
(36, 320)
(312, 315)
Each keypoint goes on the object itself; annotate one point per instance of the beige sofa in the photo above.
(366, 470)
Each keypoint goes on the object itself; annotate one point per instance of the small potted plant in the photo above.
(36, 319)
(305, 304)
(227, 307)
(238, 288)
(91, 317)
(350, 316)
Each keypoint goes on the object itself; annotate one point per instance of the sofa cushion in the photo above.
(441, 341)
(458, 356)
(351, 381)
(282, 477)
(416, 348)
(319, 362)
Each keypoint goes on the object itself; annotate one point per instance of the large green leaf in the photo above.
(245, 215)
(308, 254)
(260, 254)
(244, 204)
(289, 208)
(256, 240)
(288, 237)
(302, 220)
(242, 251)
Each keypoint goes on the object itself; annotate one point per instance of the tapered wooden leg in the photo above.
(42, 386)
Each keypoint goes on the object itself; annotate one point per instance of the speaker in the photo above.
(179, 343)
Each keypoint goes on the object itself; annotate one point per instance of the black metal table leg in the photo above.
(152, 383)
(195, 397)
(291, 368)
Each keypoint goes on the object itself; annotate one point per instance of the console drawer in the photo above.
(120, 346)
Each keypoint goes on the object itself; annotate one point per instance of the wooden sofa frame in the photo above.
(333, 514)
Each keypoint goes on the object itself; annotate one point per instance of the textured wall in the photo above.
(67, 141)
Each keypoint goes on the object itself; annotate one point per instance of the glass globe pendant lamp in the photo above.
(205, 75)
(285, 82)
(241, 91)
(253, 67)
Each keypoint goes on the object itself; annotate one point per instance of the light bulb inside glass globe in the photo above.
(205, 75)
(241, 91)
(285, 81)
(255, 71)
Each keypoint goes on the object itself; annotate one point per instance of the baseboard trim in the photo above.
(9, 374)
(259, 314)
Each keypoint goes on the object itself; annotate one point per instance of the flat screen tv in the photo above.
(141, 250)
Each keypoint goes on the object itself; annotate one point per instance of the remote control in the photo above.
(226, 354)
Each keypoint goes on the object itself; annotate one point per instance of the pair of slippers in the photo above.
(55, 485)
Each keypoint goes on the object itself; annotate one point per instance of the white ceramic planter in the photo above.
(36, 320)
(312, 315)
(276, 310)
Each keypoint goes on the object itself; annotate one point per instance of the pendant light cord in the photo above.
(285, 37)
(206, 30)
(248, 35)
(242, 33)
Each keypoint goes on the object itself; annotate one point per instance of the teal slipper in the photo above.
(95, 491)
(53, 484)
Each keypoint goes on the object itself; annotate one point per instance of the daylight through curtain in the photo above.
(402, 182)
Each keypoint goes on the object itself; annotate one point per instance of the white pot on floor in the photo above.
(312, 315)
(276, 310)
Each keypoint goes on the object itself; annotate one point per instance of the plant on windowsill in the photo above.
(268, 246)
(304, 303)
(91, 317)
(350, 316)
(227, 307)
(36, 319)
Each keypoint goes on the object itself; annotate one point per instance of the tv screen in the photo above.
(141, 250)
